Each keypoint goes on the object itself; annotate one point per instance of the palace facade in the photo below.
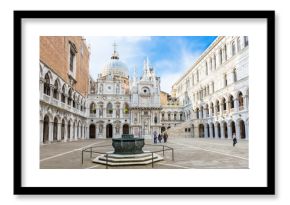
(210, 100)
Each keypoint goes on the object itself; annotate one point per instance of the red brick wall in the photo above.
(54, 52)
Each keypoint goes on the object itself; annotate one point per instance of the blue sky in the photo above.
(170, 56)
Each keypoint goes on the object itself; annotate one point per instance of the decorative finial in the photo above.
(115, 46)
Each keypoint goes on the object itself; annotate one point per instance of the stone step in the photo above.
(134, 160)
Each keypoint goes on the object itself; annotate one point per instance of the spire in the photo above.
(135, 77)
(115, 54)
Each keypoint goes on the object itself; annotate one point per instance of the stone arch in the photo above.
(69, 128)
(231, 100)
(242, 129)
(92, 131)
(62, 137)
(218, 130)
(46, 130)
(47, 82)
(201, 130)
(126, 129)
(233, 127)
(225, 129)
(55, 128)
(109, 130)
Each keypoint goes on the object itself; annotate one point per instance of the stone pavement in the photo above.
(189, 153)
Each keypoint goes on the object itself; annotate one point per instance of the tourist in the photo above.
(235, 141)
(160, 137)
(165, 137)
(155, 137)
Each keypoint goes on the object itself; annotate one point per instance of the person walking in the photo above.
(160, 138)
(155, 137)
(235, 141)
(165, 137)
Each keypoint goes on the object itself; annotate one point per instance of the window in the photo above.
(126, 108)
(63, 94)
(224, 104)
(71, 60)
(72, 56)
(93, 108)
(46, 89)
(69, 97)
(246, 41)
(233, 48)
(221, 56)
(226, 56)
(235, 75)
(239, 44)
(225, 80)
(232, 101)
(109, 108)
(55, 90)
(155, 119)
(214, 62)
(206, 68)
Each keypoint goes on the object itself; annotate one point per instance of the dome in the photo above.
(115, 67)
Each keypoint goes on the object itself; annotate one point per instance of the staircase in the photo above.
(179, 130)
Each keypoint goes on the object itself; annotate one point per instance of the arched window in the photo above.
(239, 44)
(55, 90)
(74, 101)
(197, 113)
(241, 99)
(109, 108)
(233, 48)
(232, 103)
(226, 51)
(217, 106)
(221, 56)
(155, 119)
(126, 108)
(93, 108)
(214, 62)
(224, 104)
(69, 97)
(46, 84)
(63, 94)
(225, 80)
(206, 68)
(169, 114)
(212, 108)
(235, 75)
(246, 41)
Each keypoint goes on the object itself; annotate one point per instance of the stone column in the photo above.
(246, 102)
(222, 131)
(210, 130)
(209, 111)
(196, 132)
(230, 134)
(247, 130)
(237, 104)
(50, 134)
(59, 132)
(41, 131)
(200, 114)
(238, 132)
(221, 109)
(71, 132)
(205, 130)
(65, 132)
(76, 132)
(216, 132)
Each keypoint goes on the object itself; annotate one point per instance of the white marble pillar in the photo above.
(230, 134)
(50, 132)
(76, 133)
(216, 132)
(221, 109)
(59, 132)
(246, 102)
(247, 130)
(71, 133)
(41, 131)
(65, 132)
(238, 132)
(205, 131)
(236, 104)
(210, 130)
(222, 131)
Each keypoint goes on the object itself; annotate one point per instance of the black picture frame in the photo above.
(19, 189)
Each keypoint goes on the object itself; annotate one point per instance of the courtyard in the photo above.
(189, 153)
